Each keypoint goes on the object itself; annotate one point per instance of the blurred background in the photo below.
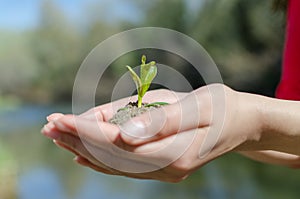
(42, 45)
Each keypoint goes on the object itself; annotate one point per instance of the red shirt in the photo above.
(289, 86)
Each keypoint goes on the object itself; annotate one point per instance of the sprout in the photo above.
(147, 73)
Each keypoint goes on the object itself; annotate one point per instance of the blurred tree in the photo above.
(245, 39)
(57, 47)
(166, 14)
(172, 14)
(17, 65)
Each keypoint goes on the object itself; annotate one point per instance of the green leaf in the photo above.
(148, 73)
(136, 79)
(157, 104)
(147, 79)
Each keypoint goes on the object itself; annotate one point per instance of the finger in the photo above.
(48, 128)
(85, 162)
(75, 145)
(106, 111)
(100, 134)
(171, 119)
(64, 146)
(165, 95)
(90, 131)
(103, 142)
(99, 113)
(54, 116)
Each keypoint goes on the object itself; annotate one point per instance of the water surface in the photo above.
(44, 171)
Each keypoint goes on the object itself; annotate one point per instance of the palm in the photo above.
(93, 139)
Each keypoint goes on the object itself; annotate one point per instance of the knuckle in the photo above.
(183, 165)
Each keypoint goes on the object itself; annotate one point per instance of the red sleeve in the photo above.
(289, 86)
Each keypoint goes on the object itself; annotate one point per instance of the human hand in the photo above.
(268, 156)
(166, 144)
(247, 127)
(75, 136)
(90, 132)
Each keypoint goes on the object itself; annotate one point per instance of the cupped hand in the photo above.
(98, 145)
(166, 144)
(235, 127)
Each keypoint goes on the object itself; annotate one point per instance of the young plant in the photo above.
(147, 73)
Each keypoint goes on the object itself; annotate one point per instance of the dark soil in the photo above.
(129, 111)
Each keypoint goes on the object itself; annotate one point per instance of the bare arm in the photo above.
(280, 124)
(170, 143)
(274, 157)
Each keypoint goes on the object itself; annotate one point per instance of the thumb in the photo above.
(164, 121)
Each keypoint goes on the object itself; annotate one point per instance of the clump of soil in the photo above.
(129, 111)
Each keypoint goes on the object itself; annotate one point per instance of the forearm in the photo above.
(274, 157)
(281, 125)
(279, 122)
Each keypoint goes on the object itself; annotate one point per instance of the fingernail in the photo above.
(48, 127)
(133, 130)
(142, 128)
(54, 116)
(48, 118)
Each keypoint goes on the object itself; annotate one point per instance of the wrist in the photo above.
(250, 122)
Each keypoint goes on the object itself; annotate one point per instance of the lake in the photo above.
(44, 171)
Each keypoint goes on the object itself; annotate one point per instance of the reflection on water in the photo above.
(47, 184)
(40, 183)
(44, 171)
(25, 116)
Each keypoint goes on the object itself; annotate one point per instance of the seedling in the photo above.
(148, 72)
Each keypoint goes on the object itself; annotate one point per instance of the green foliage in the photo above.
(157, 104)
(167, 13)
(147, 73)
(238, 34)
(56, 47)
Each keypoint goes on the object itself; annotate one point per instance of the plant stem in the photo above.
(139, 101)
